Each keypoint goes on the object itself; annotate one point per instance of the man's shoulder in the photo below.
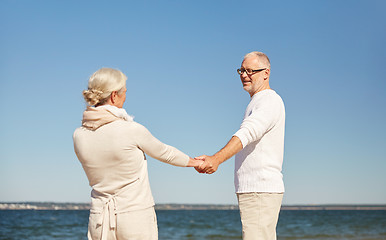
(275, 95)
(266, 96)
(268, 101)
(270, 93)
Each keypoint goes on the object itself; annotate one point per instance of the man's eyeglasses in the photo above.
(248, 71)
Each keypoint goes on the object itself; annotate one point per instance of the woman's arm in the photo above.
(163, 152)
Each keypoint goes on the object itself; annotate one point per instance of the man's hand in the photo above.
(209, 166)
(211, 163)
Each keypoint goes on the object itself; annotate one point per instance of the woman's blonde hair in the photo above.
(101, 84)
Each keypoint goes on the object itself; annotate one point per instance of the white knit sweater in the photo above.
(258, 165)
(112, 153)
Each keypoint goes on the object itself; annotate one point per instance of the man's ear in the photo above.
(266, 73)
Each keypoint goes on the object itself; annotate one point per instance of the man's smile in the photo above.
(245, 82)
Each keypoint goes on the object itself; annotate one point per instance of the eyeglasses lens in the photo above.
(242, 70)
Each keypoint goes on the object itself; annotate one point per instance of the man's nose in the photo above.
(244, 74)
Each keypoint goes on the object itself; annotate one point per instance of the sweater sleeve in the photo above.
(262, 118)
(158, 150)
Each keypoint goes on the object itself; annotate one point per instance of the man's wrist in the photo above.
(217, 159)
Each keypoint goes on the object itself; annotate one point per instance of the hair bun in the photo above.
(95, 91)
(92, 96)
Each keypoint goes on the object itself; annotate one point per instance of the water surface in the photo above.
(202, 224)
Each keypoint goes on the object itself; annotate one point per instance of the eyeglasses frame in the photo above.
(253, 71)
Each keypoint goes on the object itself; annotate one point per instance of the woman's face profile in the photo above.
(121, 98)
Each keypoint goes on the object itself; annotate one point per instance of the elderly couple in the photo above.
(111, 148)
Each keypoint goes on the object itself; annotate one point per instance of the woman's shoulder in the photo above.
(129, 125)
(78, 131)
(118, 126)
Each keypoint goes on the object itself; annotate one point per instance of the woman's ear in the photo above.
(113, 96)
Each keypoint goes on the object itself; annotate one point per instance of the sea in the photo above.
(202, 224)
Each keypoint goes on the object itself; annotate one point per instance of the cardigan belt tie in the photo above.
(107, 219)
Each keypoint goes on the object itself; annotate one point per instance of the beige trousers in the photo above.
(259, 213)
(133, 225)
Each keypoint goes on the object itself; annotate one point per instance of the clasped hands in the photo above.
(208, 165)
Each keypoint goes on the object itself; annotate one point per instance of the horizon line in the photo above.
(220, 204)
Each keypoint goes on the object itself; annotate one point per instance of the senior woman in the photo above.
(111, 148)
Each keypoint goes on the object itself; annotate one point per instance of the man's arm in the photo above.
(212, 162)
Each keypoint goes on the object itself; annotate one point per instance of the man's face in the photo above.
(254, 82)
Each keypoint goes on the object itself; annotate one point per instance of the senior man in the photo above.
(259, 147)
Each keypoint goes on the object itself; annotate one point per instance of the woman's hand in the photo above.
(194, 162)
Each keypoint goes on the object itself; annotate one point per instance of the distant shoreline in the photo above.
(86, 206)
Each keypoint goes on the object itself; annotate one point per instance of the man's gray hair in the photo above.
(263, 59)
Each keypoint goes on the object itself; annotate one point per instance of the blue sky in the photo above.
(181, 57)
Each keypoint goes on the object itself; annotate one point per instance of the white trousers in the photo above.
(133, 225)
(259, 213)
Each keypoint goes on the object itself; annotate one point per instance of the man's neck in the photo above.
(262, 89)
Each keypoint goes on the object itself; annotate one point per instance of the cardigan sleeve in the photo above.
(158, 150)
(261, 119)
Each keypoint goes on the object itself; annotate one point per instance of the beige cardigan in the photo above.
(113, 157)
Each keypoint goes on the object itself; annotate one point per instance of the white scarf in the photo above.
(95, 117)
(118, 112)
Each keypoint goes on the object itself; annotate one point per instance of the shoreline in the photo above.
(86, 206)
